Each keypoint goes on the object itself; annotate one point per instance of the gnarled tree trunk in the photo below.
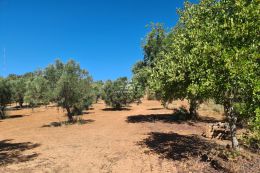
(2, 112)
(21, 104)
(232, 120)
(193, 108)
(69, 114)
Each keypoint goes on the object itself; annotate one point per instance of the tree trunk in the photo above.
(193, 108)
(232, 120)
(2, 113)
(21, 104)
(69, 114)
(118, 106)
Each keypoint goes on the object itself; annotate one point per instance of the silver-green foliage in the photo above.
(74, 91)
(118, 93)
(37, 91)
(5, 96)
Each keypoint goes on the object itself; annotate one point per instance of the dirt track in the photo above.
(110, 141)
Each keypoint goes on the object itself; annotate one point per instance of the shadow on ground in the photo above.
(209, 120)
(24, 107)
(155, 109)
(87, 112)
(61, 123)
(113, 109)
(178, 116)
(13, 152)
(168, 118)
(177, 147)
(15, 116)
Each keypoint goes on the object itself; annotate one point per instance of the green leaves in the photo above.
(119, 93)
(5, 95)
(37, 91)
(18, 87)
(74, 88)
(212, 52)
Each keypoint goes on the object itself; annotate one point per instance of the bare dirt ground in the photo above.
(141, 138)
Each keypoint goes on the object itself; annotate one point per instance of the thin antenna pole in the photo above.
(4, 63)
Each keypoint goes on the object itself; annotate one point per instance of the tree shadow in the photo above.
(86, 112)
(24, 107)
(13, 152)
(15, 116)
(209, 120)
(177, 147)
(114, 109)
(13, 108)
(178, 116)
(61, 123)
(155, 109)
(167, 118)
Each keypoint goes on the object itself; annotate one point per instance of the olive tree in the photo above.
(52, 74)
(73, 91)
(18, 87)
(98, 90)
(118, 93)
(37, 91)
(5, 96)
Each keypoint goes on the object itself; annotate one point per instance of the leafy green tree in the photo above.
(37, 91)
(74, 89)
(12, 77)
(226, 52)
(153, 45)
(88, 96)
(140, 79)
(18, 87)
(5, 96)
(213, 52)
(53, 73)
(118, 93)
(166, 75)
(98, 90)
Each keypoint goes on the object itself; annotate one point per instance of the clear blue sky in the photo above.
(104, 36)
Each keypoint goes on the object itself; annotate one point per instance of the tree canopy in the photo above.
(212, 53)
(73, 90)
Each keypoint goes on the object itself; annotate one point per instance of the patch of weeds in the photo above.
(251, 141)
(227, 154)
